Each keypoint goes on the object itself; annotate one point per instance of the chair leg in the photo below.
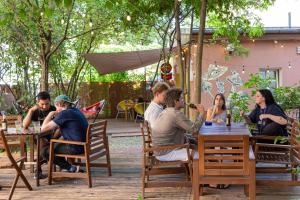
(143, 183)
(88, 166)
(50, 166)
(13, 187)
(108, 157)
(195, 181)
(117, 115)
(246, 190)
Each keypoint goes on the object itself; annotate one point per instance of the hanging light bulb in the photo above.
(62, 21)
(281, 45)
(128, 18)
(243, 71)
(253, 40)
(275, 41)
(91, 23)
(216, 66)
(290, 66)
(92, 32)
(83, 15)
(42, 14)
(268, 70)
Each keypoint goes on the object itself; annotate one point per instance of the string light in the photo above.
(42, 14)
(128, 18)
(268, 70)
(91, 23)
(281, 45)
(62, 21)
(253, 40)
(216, 67)
(243, 71)
(275, 41)
(289, 65)
(92, 32)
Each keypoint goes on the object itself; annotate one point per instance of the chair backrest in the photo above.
(139, 108)
(11, 120)
(146, 134)
(97, 140)
(223, 155)
(6, 147)
(293, 113)
(122, 105)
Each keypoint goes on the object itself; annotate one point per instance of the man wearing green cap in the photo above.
(72, 124)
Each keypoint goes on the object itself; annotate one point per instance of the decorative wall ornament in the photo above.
(235, 80)
(206, 87)
(220, 86)
(214, 71)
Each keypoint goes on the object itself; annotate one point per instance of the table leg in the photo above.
(38, 162)
(31, 156)
(126, 114)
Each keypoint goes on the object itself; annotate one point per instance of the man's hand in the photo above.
(200, 108)
(34, 108)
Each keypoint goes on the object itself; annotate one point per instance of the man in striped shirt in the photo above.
(156, 106)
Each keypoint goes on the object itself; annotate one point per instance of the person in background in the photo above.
(156, 106)
(268, 116)
(217, 113)
(73, 126)
(171, 126)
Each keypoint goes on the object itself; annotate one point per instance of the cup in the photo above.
(18, 126)
(36, 126)
(208, 123)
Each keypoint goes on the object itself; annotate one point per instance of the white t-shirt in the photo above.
(152, 112)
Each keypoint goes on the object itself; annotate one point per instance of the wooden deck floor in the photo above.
(125, 182)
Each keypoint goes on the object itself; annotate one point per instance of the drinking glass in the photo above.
(18, 126)
(36, 126)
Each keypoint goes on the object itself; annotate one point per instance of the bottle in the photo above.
(228, 117)
(4, 123)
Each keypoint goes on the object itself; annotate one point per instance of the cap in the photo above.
(62, 98)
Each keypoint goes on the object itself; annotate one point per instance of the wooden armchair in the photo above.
(224, 160)
(153, 167)
(9, 161)
(95, 147)
(276, 158)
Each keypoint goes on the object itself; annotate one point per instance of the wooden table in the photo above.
(222, 129)
(32, 136)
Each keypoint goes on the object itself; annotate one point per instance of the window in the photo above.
(271, 73)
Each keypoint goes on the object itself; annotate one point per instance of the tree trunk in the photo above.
(44, 74)
(198, 70)
(178, 39)
(188, 67)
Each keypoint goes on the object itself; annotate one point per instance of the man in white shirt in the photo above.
(156, 106)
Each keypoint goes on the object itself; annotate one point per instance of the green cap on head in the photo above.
(62, 97)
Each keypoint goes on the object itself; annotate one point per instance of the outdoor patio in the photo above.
(125, 182)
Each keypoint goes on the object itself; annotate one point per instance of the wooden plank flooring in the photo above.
(125, 182)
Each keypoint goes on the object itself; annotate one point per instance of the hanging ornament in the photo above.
(243, 71)
(91, 23)
(290, 66)
(166, 69)
(128, 18)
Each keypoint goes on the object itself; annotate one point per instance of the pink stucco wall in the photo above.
(262, 53)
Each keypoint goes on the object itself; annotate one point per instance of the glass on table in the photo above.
(36, 126)
(18, 126)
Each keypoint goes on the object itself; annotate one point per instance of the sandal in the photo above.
(223, 186)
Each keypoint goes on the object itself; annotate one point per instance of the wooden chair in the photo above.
(9, 161)
(276, 158)
(153, 167)
(14, 142)
(95, 147)
(224, 160)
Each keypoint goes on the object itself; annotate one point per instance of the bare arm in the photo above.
(48, 123)
(27, 119)
(278, 119)
(210, 114)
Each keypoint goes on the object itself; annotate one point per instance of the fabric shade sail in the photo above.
(107, 63)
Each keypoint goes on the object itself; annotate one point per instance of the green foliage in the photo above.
(287, 97)
(238, 102)
(256, 82)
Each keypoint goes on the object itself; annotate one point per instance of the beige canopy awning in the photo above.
(107, 63)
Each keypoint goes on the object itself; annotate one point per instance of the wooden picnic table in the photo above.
(222, 129)
(33, 135)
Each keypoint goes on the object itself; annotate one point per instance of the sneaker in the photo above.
(40, 175)
(73, 169)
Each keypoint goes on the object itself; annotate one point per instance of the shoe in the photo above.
(219, 186)
(73, 169)
(40, 175)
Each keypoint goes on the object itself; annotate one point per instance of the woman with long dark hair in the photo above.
(267, 115)
(217, 113)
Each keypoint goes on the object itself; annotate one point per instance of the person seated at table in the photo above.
(217, 113)
(73, 126)
(268, 116)
(172, 125)
(39, 111)
(156, 106)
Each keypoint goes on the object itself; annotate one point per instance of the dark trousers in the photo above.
(61, 149)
